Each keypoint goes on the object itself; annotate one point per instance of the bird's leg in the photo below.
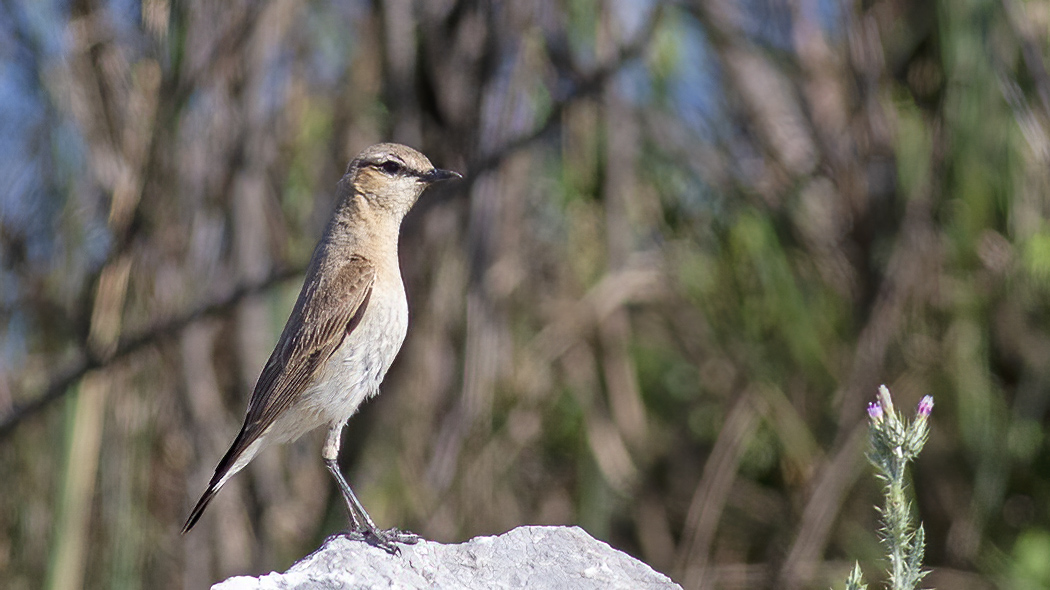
(362, 522)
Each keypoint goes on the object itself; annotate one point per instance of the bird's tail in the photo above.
(240, 453)
(198, 510)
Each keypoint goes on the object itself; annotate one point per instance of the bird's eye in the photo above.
(391, 167)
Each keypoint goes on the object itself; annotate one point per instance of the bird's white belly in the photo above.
(354, 371)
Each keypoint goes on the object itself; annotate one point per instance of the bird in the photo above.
(346, 327)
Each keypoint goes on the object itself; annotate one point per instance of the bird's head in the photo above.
(392, 176)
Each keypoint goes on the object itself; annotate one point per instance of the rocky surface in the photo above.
(554, 558)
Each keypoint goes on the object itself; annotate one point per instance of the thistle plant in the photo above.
(895, 443)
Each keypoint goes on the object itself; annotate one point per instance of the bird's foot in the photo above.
(387, 540)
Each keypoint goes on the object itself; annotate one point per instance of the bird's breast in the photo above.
(356, 369)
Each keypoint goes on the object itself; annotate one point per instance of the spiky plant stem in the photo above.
(894, 444)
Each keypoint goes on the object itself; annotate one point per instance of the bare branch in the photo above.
(69, 376)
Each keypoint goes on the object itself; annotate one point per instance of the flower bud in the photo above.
(925, 406)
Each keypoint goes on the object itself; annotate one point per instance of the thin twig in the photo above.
(59, 386)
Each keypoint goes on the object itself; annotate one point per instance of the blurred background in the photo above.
(693, 239)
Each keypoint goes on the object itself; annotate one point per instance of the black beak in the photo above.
(437, 175)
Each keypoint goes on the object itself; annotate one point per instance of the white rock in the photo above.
(534, 557)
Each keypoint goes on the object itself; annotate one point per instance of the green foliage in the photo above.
(1029, 568)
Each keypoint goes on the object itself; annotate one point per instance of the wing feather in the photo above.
(321, 319)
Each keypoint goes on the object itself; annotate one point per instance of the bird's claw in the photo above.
(387, 540)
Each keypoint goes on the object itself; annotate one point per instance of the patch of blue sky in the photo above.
(499, 122)
(695, 97)
(767, 22)
(276, 74)
(696, 86)
(691, 90)
(770, 22)
(41, 156)
(631, 16)
(125, 16)
(31, 35)
(96, 241)
(328, 29)
(13, 344)
(19, 122)
(68, 152)
(830, 14)
(42, 21)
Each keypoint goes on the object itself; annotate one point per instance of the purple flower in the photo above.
(925, 406)
(875, 411)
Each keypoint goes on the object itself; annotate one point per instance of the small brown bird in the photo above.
(345, 329)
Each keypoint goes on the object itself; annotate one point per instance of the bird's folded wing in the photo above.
(325, 313)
